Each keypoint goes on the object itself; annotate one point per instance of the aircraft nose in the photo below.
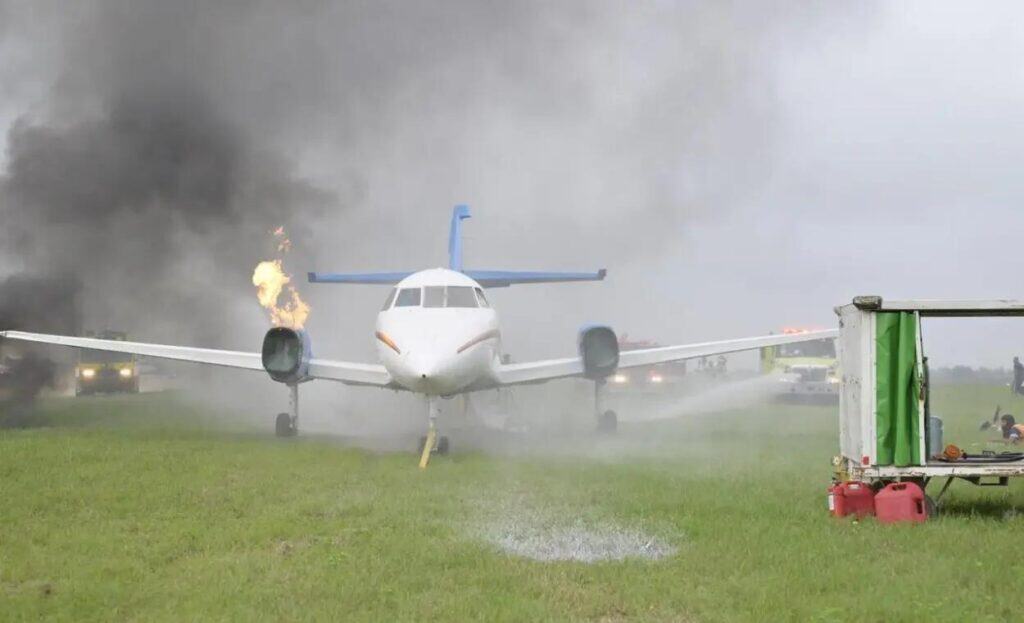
(424, 368)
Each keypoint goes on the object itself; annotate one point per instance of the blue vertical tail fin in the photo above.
(455, 237)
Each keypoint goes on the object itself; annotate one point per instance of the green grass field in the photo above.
(141, 508)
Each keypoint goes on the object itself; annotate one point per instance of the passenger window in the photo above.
(390, 300)
(483, 299)
(408, 297)
(433, 296)
(460, 296)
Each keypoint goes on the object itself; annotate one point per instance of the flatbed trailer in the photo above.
(884, 424)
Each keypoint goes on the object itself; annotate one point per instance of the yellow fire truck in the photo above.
(101, 371)
(806, 370)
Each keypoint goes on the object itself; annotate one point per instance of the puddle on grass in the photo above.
(545, 535)
(578, 542)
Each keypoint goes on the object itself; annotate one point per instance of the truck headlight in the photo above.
(833, 379)
(126, 373)
(88, 373)
(656, 378)
(620, 378)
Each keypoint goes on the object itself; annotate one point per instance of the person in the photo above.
(1012, 431)
(1018, 376)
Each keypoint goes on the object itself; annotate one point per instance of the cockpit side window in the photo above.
(408, 297)
(460, 296)
(389, 300)
(483, 299)
(433, 296)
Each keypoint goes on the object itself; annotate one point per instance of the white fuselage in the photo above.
(438, 335)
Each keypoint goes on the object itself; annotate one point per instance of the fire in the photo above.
(272, 281)
(284, 245)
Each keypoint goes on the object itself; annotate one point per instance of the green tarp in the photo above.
(898, 387)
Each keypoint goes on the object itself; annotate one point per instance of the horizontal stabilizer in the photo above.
(368, 278)
(505, 278)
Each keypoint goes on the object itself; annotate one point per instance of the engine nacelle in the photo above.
(599, 349)
(286, 354)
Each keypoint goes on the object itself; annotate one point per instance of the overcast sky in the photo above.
(737, 168)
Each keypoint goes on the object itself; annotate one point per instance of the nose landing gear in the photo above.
(432, 443)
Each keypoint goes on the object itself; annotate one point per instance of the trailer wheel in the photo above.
(931, 509)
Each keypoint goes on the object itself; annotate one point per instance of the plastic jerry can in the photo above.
(851, 498)
(901, 501)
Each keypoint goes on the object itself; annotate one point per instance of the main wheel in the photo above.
(283, 425)
(607, 422)
(442, 445)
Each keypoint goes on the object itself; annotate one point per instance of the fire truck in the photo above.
(646, 379)
(806, 371)
(105, 371)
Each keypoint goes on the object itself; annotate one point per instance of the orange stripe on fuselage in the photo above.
(493, 333)
(388, 341)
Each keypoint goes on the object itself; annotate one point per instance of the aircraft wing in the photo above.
(350, 373)
(540, 371)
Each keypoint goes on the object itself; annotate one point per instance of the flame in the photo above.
(284, 245)
(272, 281)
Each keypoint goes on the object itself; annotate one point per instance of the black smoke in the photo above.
(132, 202)
(40, 304)
(137, 176)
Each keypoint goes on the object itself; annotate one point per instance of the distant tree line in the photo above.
(967, 374)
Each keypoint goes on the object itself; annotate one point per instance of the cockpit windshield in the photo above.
(389, 300)
(436, 297)
(408, 297)
(483, 299)
(433, 296)
(460, 296)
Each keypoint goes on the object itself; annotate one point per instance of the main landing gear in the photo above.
(607, 420)
(287, 424)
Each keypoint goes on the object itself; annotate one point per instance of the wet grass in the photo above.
(142, 508)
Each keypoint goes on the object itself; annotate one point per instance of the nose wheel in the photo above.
(287, 424)
(440, 447)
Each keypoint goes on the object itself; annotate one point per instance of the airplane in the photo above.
(436, 335)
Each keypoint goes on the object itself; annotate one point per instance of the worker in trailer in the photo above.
(1018, 376)
(1012, 431)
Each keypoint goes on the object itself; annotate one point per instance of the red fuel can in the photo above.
(851, 498)
(900, 501)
